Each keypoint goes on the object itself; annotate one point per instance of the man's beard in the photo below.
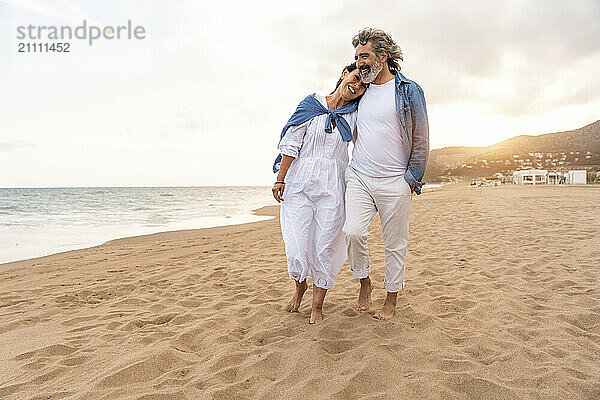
(371, 73)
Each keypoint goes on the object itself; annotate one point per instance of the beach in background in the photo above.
(502, 301)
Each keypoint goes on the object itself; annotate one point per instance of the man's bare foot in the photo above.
(389, 307)
(294, 303)
(364, 295)
(316, 316)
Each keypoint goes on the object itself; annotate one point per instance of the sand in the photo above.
(502, 302)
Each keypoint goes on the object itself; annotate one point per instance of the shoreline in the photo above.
(264, 211)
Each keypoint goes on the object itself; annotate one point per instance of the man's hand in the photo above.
(278, 191)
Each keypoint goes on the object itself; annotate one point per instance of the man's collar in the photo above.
(400, 77)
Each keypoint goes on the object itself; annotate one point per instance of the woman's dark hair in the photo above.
(349, 68)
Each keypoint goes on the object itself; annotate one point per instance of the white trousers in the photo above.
(365, 196)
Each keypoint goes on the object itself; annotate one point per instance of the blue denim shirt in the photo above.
(412, 112)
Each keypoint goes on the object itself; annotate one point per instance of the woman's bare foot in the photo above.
(316, 315)
(389, 307)
(364, 295)
(294, 303)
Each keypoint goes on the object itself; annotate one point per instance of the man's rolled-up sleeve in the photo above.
(420, 140)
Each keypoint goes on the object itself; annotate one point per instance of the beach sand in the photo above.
(502, 301)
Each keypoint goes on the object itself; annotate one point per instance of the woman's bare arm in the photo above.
(278, 188)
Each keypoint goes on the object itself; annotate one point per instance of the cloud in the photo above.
(502, 54)
(216, 80)
(62, 9)
(12, 145)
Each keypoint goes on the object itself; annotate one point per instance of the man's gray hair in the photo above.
(380, 42)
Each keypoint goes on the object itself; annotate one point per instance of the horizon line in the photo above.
(125, 187)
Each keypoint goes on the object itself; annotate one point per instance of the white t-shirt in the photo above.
(379, 150)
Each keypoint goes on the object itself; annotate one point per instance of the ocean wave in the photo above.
(91, 215)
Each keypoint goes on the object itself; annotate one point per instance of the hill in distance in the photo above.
(558, 151)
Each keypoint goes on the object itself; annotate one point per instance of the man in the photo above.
(388, 163)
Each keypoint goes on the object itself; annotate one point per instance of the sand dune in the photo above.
(502, 302)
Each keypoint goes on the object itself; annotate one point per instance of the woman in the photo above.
(310, 184)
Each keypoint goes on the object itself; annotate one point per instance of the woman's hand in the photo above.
(278, 191)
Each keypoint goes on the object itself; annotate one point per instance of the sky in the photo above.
(201, 100)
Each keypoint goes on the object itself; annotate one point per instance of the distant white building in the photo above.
(542, 176)
(555, 178)
(577, 177)
(530, 177)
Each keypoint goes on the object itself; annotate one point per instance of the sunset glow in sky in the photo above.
(202, 99)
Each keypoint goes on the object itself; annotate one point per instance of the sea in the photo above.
(38, 222)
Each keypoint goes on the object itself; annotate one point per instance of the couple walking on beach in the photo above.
(327, 203)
